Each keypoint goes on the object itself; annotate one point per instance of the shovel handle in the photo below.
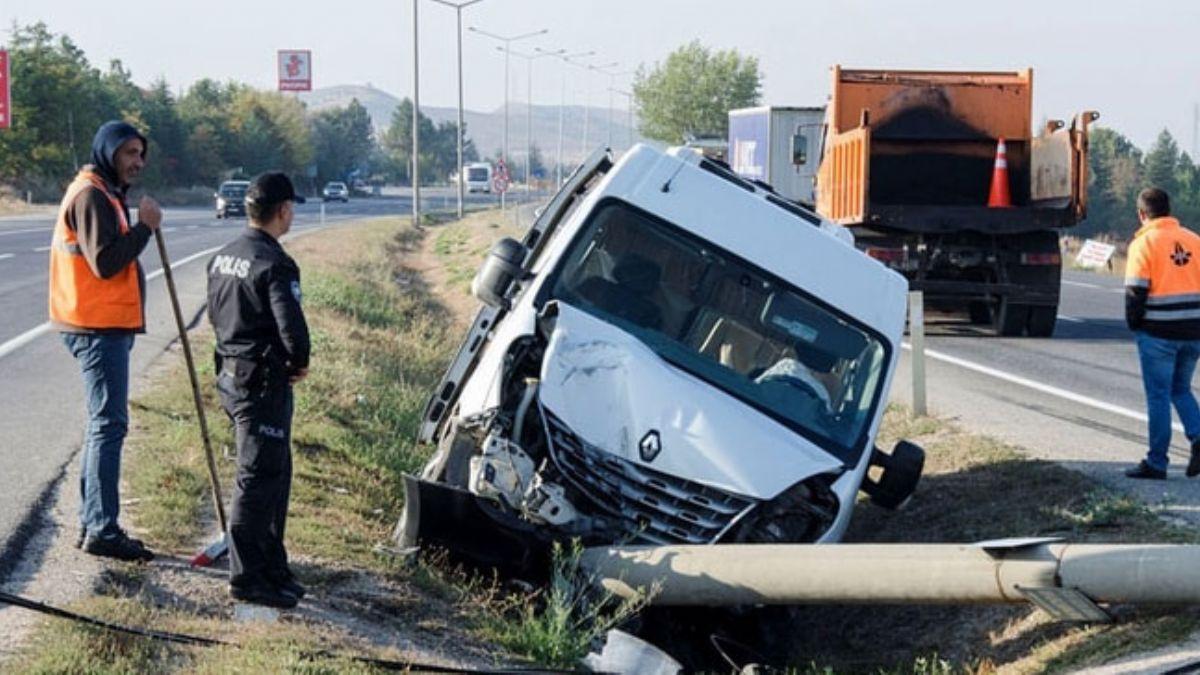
(191, 367)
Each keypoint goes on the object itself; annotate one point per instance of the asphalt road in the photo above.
(41, 398)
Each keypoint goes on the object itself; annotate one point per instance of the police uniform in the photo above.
(261, 340)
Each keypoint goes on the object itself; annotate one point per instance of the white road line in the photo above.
(1070, 319)
(4, 256)
(1116, 290)
(25, 231)
(41, 249)
(1081, 284)
(169, 229)
(37, 331)
(191, 227)
(1038, 386)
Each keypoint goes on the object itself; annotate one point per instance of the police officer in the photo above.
(262, 350)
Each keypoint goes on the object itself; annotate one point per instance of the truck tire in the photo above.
(1042, 320)
(980, 313)
(1011, 319)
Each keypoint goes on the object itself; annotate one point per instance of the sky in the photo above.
(1138, 63)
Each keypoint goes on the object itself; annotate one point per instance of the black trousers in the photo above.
(261, 409)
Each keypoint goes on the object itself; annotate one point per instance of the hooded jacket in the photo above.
(97, 227)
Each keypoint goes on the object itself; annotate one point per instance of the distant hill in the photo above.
(486, 129)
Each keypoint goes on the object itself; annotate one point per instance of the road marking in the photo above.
(25, 231)
(41, 249)
(4, 256)
(169, 229)
(1116, 290)
(1071, 319)
(1037, 386)
(1081, 284)
(37, 331)
(191, 227)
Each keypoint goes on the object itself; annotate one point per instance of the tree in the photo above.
(342, 141)
(439, 146)
(1162, 162)
(693, 91)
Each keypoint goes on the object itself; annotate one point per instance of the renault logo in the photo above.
(650, 446)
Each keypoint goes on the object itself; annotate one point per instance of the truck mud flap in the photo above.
(439, 516)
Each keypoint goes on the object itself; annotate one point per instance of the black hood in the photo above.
(109, 137)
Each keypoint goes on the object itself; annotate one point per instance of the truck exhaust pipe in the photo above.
(1067, 580)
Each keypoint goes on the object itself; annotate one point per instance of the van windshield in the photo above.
(728, 323)
(234, 191)
(477, 173)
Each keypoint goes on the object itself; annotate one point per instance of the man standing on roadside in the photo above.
(97, 302)
(262, 350)
(1162, 307)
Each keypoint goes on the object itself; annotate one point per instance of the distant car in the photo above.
(335, 191)
(231, 198)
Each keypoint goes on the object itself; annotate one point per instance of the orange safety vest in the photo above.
(78, 297)
(1164, 258)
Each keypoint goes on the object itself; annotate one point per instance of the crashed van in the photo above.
(671, 354)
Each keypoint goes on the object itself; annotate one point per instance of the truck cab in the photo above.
(670, 355)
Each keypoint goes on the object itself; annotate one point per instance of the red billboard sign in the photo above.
(5, 92)
(295, 70)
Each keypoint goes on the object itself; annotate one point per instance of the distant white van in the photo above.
(479, 177)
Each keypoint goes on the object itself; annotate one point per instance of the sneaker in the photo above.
(1144, 470)
(120, 546)
(1193, 467)
(262, 594)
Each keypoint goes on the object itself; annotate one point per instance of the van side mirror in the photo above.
(499, 270)
(901, 473)
(799, 149)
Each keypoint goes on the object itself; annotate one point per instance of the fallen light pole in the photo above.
(1066, 580)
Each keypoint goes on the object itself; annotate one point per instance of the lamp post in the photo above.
(507, 40)
(587, 98)
(628, 95)
(566, 59)
(612, 81)
(529, 59)
(458, 8)
(416, 136)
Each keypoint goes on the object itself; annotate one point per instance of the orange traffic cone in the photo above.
(1000, 196)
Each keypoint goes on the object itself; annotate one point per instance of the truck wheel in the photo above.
(980, 313)
(1042, 320)
(1011, 319)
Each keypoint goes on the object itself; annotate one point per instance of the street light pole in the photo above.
(416, 126)
(458, 8)
(587, 95)
(612, 81)
(566, 59)
(507, 40)
(529, 59)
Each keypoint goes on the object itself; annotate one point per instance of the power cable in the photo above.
(197, 641)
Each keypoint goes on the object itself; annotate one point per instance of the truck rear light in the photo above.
(888, 256)
(1041, 259)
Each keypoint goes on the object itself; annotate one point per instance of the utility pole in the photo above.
(458, 8)
(612, 81)
(529, 59)
(566, 59)
(416, 126)
(507, 40)
(1195, 130)
(587, 95)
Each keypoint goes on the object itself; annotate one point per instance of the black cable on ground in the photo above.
(196, 641)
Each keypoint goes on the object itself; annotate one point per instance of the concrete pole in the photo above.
(416, 126)
(916, 336)
(1003, 572)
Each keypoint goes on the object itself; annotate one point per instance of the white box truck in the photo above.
(779, 146)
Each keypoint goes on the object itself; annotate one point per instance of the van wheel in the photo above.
(1042, 320)
(1010, 319)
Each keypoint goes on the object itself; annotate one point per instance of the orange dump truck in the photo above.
(907, 163)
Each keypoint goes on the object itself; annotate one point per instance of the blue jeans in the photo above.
(1167, 369)
(104, 360)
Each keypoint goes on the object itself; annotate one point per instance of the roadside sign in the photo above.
(5, 92)
(1094, 254)
(500, 179)
(295, 70)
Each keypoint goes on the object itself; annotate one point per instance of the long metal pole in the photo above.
(528, 123)
(416, 126)
(214, 481)
(611, 83)
(461, 170)
(916, 334)
(504, 152)
(561, 105)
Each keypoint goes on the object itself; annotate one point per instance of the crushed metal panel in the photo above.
(1066, 604)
